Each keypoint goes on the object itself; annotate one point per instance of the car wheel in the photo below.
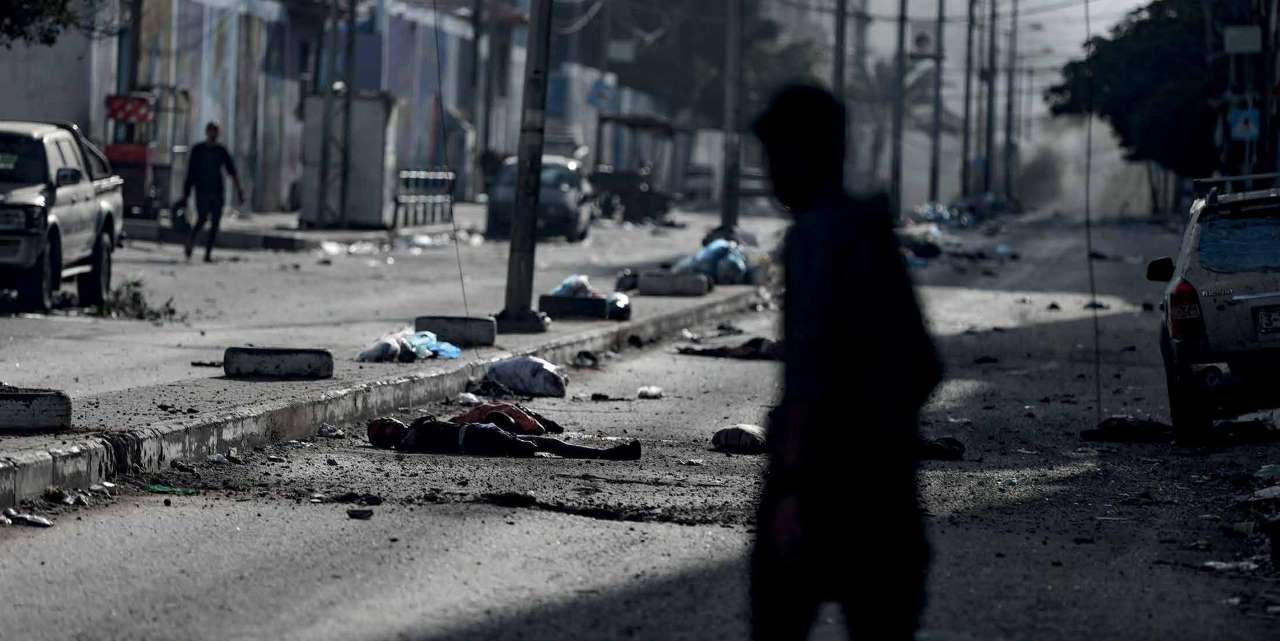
(35, 287)
(94, 286)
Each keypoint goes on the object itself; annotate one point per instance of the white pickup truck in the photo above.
(60, 213)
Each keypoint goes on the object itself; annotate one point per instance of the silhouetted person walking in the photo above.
(839, 519)
(205, 165)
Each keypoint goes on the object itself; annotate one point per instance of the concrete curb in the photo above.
(94, 458)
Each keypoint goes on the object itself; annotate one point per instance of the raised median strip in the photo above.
(80, 460)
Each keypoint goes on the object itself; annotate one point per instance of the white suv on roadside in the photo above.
(1220, 338)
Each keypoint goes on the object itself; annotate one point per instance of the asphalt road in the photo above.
(1036, 534)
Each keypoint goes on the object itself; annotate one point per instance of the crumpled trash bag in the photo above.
(741, 439)
(527, 376)
(523, 419)
(576, 286)
(407, 346)
(720, 260)
(619, 306)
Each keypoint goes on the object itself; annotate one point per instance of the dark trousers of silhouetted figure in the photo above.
(839, 518)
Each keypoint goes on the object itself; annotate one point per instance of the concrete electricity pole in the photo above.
(348, 80)
(519, 315)
(732, 138)
(838, 58)
(1010, 145)
(966, 180)
(935, 159)
(476, 185)
(989, 161)
(899, 111)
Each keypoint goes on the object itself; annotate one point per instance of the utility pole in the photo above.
(899, 112)
(935, 159)
(1011, 145)
(966, 180)
(135, 45)
(519, 315)
(732, 139)
(477, 86)
(606, 25)
(838, 59)
(862, 23)
(326, 124)
(989, 162)
(349, 77)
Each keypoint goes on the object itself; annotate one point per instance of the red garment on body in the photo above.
(525, 421)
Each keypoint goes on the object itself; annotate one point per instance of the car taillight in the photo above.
(1185, 320)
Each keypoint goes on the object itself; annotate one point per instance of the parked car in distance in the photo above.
(60, 213)
(1220, 335)
(566, 201)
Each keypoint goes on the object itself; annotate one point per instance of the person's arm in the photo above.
(230, 166)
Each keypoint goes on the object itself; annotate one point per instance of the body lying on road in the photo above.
(498, 435)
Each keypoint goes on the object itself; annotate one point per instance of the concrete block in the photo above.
(573, 307)
(277, 362)
(24, 410)
(463, 331)
(674, 284)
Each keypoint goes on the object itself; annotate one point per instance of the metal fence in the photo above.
(424, 197)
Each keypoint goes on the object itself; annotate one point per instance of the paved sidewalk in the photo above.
(279, 231)
(139, 400)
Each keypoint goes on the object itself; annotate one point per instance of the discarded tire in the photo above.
(277, 362)
(23, 410)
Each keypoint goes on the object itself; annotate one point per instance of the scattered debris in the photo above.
(526, 376)
(233, 455)
(407, 346)
(1268, 471)
(26, 518)
(1266, 494)
(586, 360)
(160, 488)
(945, 448)
(721, 260)
(1093, 304)
(694, 462)
(741, 439)
(128, 301)
(986, 360)
(649, 392)
(627, 281)
(329, 430)
(753, 349)
(216, 459)
(467, 399)
(1128, 429)
(277, 459)
(360, 513)
(206, 363)
(1230, 566)
(601, 396)
(1053, 307)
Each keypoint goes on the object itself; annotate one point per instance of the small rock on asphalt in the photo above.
(649, 392)
(360, 513)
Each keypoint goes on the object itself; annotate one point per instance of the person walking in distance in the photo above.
(839, 519)
(204, 174)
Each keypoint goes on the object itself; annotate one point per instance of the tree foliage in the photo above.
(36, 21)
(1154, 80)
(680, 55)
